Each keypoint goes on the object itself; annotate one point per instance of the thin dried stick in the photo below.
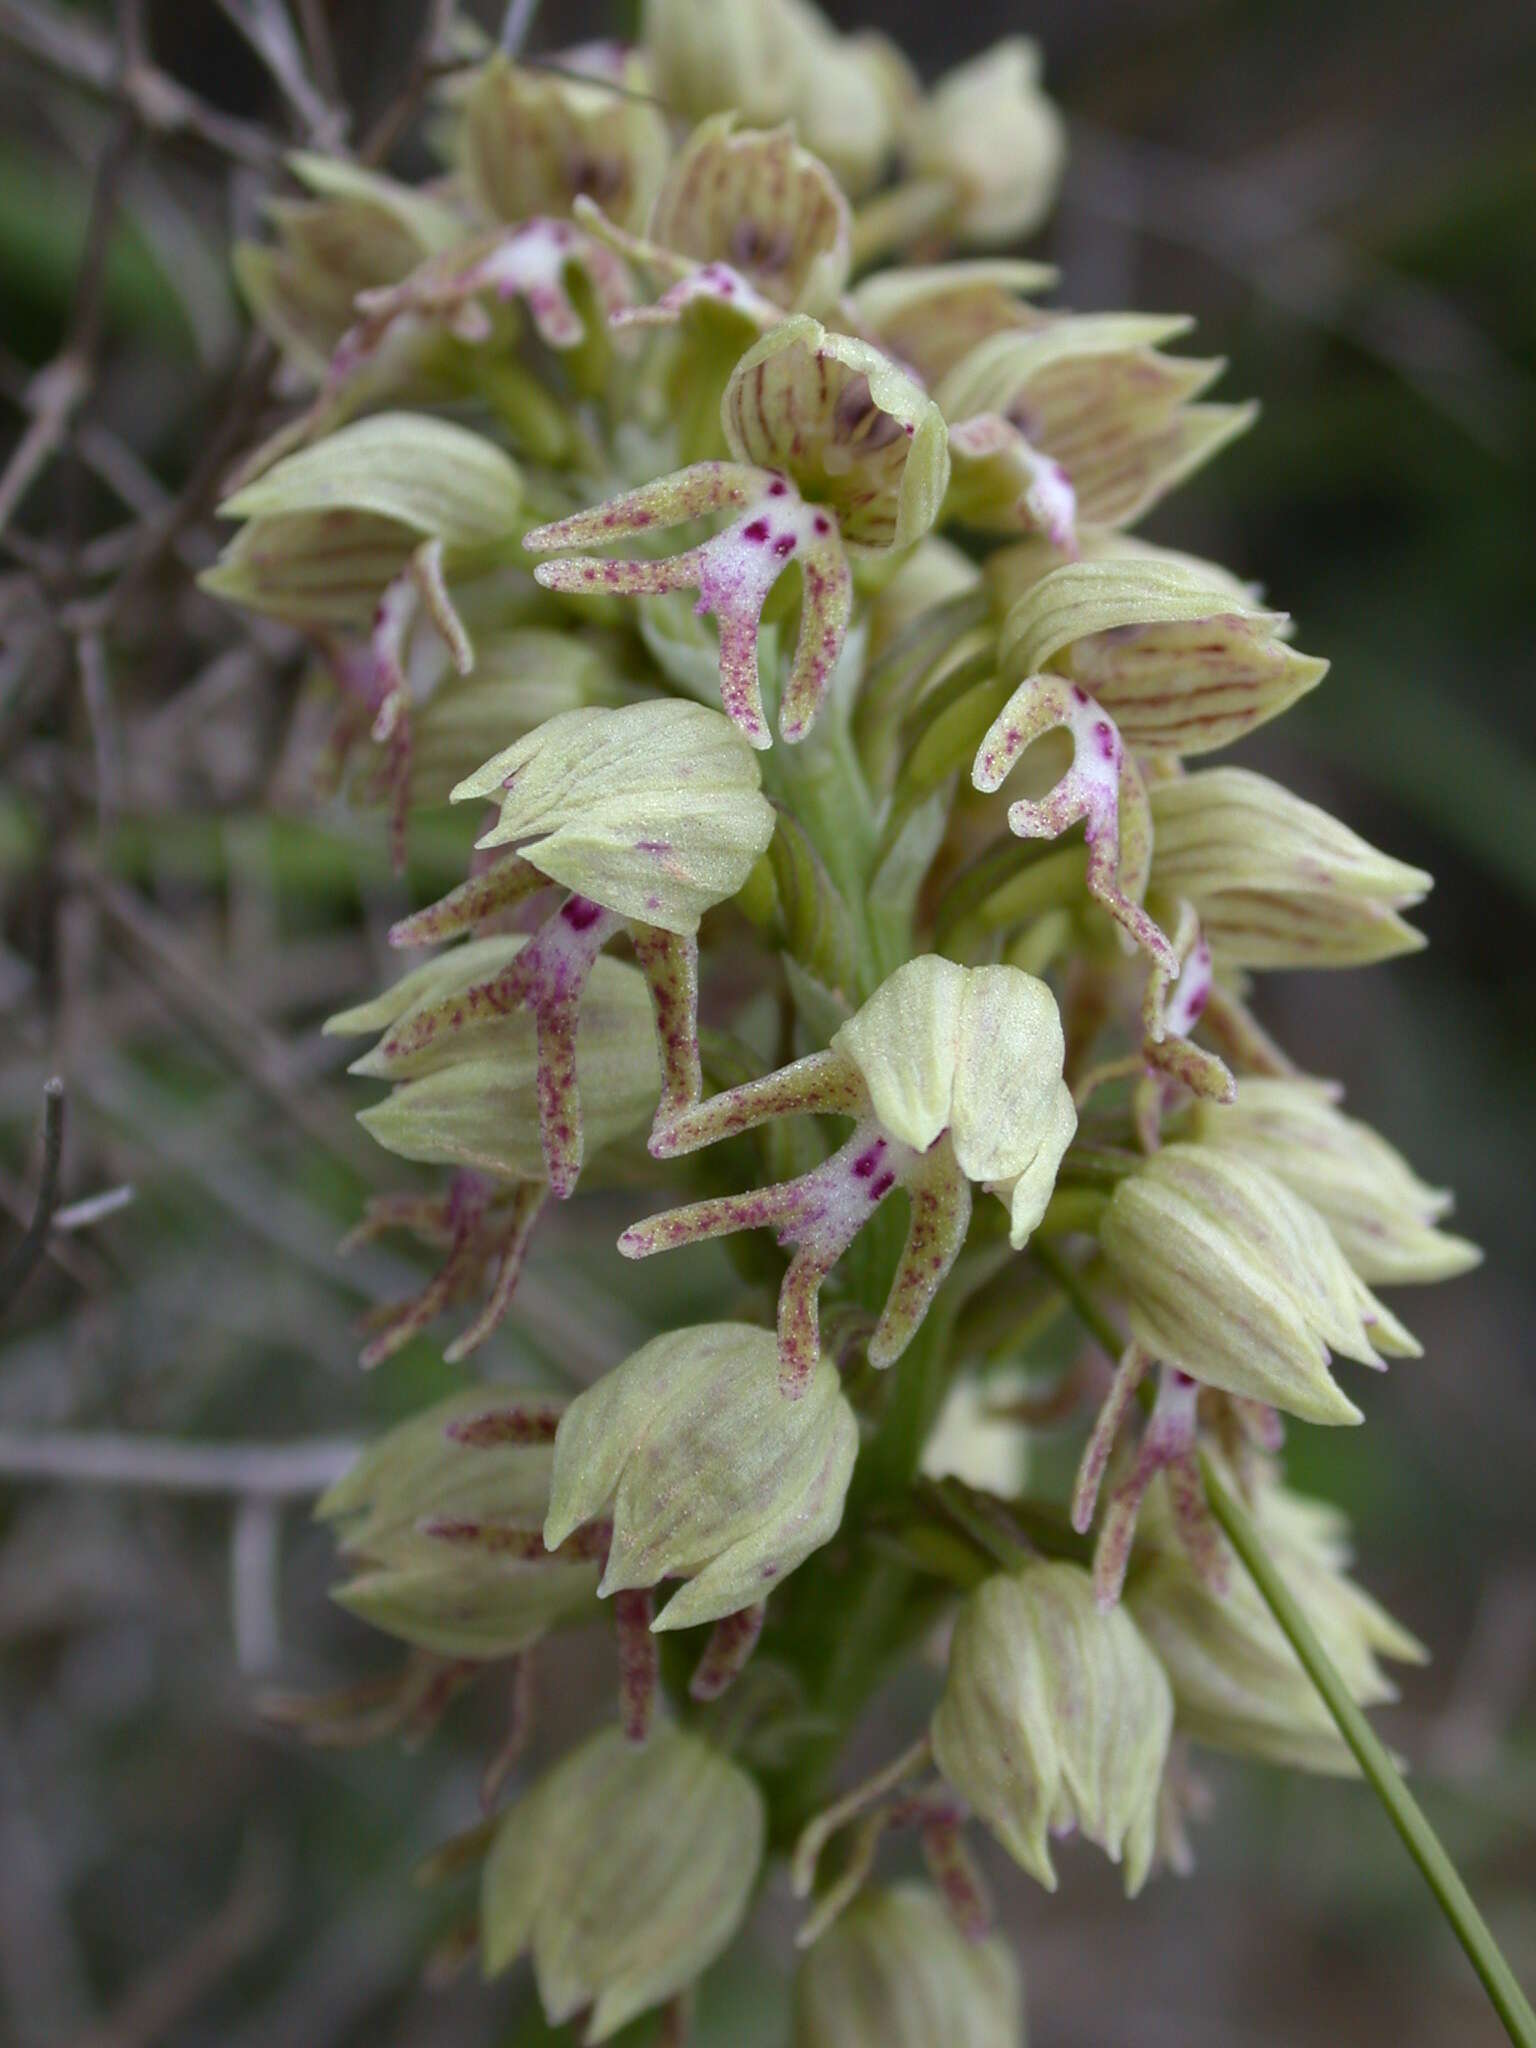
(17, 1269)
(269, 1472)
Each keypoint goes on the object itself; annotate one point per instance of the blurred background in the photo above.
(1342, 194)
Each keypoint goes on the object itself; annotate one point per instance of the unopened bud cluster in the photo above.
(692, 487)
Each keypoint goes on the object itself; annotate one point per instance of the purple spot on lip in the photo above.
(882, 1187)
(823, 523)
(784, 545)
(580, 914)
(777, 488)
(757, 531)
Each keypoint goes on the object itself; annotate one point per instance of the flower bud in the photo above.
(708, 1474)
(894, 1971)
(988, 131)
(653, 810)
(1381, 1214)
(401, 1509)
(625, 1872)
(358, 232)
(329, 527)
(1055, 1716)
(1232, 1279)
(761, 205)
(1237, 1684)
(1275, 881)
(533, 142)
(466, 1089)
(773, 61)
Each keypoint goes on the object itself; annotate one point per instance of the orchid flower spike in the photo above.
(951, 1075)
(836, 452)
(648, 815)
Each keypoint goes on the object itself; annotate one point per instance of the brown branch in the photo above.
(60, 388)
(266, 26)
(432, 57)
(17, 1269)
(158, 102)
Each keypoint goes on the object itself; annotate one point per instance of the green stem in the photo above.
(1403, 1810)
(821, 782)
